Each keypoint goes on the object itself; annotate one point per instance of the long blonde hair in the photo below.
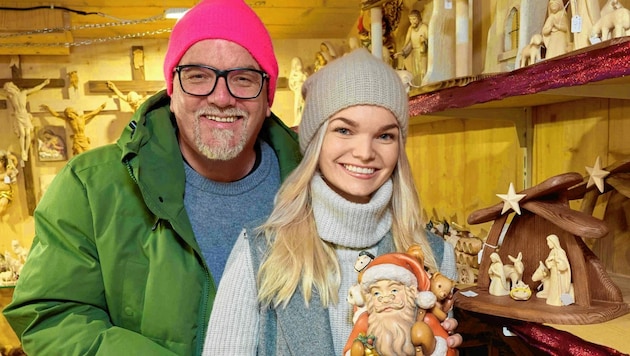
(299, 257)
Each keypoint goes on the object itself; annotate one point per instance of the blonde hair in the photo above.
(297, 257)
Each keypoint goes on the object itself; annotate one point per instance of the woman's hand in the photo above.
(454, 340)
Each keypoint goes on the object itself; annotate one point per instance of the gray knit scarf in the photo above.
(349, 224)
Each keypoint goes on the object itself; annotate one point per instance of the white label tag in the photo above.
(576, 24)
(507, 332)
(595, 40)
(7, 180)
(448, 4)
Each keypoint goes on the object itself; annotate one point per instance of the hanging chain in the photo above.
(83, 27)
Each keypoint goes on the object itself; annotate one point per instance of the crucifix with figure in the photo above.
(138, 89)
(16, 90)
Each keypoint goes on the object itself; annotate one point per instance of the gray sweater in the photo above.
(237, 321)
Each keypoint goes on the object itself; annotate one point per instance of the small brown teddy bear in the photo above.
(442, 287)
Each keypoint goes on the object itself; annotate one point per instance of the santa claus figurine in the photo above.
(392, 302)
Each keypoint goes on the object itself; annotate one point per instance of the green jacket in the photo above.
(115, 268)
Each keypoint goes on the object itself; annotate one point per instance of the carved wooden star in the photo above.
(596, 176)
(510, 200)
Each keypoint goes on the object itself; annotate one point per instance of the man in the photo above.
(131, 239)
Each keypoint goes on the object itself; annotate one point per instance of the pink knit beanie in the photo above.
(231, 20)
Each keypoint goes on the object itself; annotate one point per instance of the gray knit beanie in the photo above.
(354, 79)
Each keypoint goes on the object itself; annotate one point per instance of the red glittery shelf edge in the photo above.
(605, 60)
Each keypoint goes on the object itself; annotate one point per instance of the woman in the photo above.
(352, 192)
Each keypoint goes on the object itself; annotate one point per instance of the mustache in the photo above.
(213, 110)
(392, 305)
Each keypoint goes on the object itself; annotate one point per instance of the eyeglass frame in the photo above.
(221, 73)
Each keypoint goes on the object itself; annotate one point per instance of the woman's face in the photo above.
(360, 151)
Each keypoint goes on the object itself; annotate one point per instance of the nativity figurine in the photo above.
(498, 282)
(560, 287)
(556, 31)
(614, 22)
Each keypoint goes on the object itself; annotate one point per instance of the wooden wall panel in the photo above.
(568, 137)
(619, 129)
(460, 165)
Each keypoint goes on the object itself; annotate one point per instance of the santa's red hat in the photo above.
(396, 266)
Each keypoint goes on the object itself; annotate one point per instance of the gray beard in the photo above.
(221, 149)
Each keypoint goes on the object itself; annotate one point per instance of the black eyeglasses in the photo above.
(200, 80)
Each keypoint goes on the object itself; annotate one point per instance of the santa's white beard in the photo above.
(392, 329)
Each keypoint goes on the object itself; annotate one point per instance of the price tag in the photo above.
(576, 24)
(7, 180)
(448, 4)
(595, 40)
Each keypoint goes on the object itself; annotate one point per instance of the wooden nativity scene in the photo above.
(538, 267)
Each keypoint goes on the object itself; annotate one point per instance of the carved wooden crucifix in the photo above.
(25, 84)
(138, 82)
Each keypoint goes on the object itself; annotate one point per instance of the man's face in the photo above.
(388, 296)
(217, 126)
(414, 21)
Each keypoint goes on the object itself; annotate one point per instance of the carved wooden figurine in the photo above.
(132, 98)
(531, 53)
(560, 286)
(80, 142)
(393, 298)
(415, 48)
(8, 174)
(297, 76)
(541, 274)
(555, 32)
(22, 124)
(514, 272)
(498, 282)
(614, 21)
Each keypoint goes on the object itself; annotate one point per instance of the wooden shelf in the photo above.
(601, 70)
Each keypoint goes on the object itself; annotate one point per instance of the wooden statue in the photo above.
(297, 76)
(588, 13)
(541, 274)
(22, 119)
(556, 30)
(80, 142)
(74, 79)
(531, 53)
(514, 272)
(614, 21)
(415, 47)
(498, 283)
(520, 291)
(132, 98)
(8, 174)
(559, 273)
